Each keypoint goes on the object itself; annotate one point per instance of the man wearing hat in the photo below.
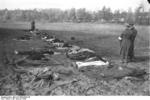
(127, 43)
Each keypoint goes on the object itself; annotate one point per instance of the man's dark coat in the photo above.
(127, 43)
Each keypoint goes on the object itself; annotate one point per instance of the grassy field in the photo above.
(102, 38)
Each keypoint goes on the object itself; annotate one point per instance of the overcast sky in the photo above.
(66, 4)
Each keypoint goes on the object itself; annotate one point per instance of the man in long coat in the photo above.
(33, 25)
(127, 43)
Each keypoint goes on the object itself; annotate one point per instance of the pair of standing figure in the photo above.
(127, 43)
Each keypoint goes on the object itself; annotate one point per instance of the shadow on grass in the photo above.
(141, 58)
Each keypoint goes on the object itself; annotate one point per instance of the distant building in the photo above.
(118, 20)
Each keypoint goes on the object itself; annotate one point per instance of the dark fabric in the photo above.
(131, 53)
(126, 43)
(32, 25)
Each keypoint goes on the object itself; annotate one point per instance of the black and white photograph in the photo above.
(74, 48)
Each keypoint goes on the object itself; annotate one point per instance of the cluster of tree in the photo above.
(77, 15)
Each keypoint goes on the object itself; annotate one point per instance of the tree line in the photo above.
(139, 16)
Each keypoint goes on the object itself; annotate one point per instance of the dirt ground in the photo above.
(104, 44)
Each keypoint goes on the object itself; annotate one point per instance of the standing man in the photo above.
(127, 43)
(33, 25)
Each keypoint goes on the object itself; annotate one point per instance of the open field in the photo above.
(102, 38)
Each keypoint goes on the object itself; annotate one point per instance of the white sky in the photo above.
(66, 4)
